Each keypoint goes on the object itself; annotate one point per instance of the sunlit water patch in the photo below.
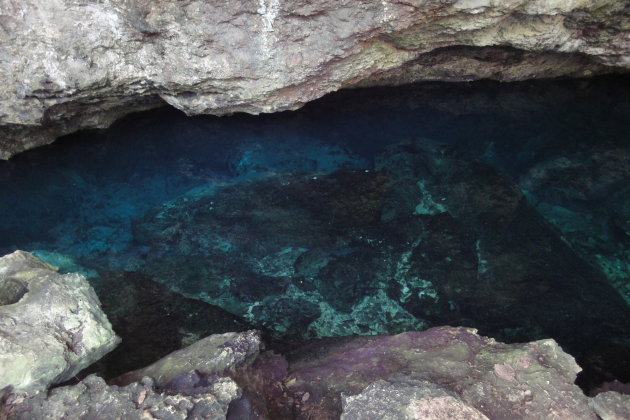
(503, 207)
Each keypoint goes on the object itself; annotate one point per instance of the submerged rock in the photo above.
(432, 237)
(585, 194)
(70, 65)
(153, 321)
(51, 325)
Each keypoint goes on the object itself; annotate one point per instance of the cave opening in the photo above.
(498, 206)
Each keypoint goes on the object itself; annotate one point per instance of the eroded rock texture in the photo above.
(93, 399)
(191, 383)
(51, 325)
(439, 373)
(214, 355)
(75, 64)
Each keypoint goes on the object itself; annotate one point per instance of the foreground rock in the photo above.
(190, 383)
(51, 325)
(214, 355)
(70, 65)
(405, 397)
(441, 373)
(153, 321)
(93, 399)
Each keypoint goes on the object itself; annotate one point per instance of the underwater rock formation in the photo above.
(431, 237)
(51, 325)
(563, 188)
(193, 382)
(68, 65)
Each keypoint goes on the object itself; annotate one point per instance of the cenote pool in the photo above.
(503, 207)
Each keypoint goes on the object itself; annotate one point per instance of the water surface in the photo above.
(504, 207)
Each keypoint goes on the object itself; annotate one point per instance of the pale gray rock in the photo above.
(462, 372)
(407, 398)
(71, 64)
(93, 399)
(215, 355)
(51, 325)
(611, 405)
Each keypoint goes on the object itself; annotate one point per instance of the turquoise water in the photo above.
(504, 207)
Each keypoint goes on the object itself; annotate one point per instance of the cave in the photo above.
(401, 190)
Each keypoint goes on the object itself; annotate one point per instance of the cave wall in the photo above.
(72, 64)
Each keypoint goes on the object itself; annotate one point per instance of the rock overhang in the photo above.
(69, 66)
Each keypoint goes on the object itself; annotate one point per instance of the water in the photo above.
(504, 207)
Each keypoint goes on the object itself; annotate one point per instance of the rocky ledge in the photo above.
(68, 64)
(441, 373)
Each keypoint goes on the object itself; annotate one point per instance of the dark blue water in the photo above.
(505, 207)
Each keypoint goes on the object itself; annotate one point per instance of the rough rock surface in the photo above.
(441, 373)
(75, 64)
(611, 405)
(517, 381)
(51, 325)
(214, 355)
(93, 399)
(406, 397)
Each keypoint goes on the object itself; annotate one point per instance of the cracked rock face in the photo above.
(68, 64)
(51, 325)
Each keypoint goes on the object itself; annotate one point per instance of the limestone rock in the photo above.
(71, 64)
(611, 405)
(93, 399)
(214, 355)
(193, 382)
(467, 372)
(51, 325)
(407, 398)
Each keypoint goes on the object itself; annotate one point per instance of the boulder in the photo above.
(611, 405)
(68, 65)
(441, 373)
(217, 354)
(51, 325)
(442, 368)
(406, 397)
